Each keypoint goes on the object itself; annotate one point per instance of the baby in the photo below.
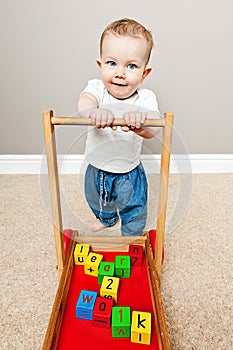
(115, 181)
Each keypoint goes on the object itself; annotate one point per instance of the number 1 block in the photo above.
(121, 322)
(109, 287)
(141, 327)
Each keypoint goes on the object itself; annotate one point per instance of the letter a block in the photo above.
(92, 264)
(109, 287)
(102, 312)
(121, 322)
(136, 254)
(80, 253)
(122, 266)
(85, 304)
(105, 269)
(141, 327)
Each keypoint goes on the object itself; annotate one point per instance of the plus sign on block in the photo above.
(92, 264)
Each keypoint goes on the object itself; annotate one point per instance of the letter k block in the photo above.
(141, 327)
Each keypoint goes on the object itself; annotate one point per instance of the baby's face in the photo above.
(122, 64)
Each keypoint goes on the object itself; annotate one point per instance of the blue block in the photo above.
(85, 304)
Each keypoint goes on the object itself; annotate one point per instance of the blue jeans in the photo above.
(110, 195)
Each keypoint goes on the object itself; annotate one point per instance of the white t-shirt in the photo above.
(116, 151)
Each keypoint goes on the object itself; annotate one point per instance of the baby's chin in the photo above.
(122, 96)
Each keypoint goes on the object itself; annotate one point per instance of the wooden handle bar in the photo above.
(87, 121)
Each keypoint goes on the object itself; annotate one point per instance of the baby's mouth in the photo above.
(118, 84)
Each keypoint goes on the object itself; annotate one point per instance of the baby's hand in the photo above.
(101, 117)
(134, 120)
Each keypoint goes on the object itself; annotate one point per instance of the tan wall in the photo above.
(48, 51)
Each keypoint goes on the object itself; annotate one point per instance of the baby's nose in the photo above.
(120, 72)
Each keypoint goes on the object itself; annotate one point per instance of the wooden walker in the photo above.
(64, 331)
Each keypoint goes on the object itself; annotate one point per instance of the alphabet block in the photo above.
(80, 253)
(121, 322)
(102, 312)
(141, 327)
(109, 287)
(85, 304)
(136, 254)
(92, 264)
(105, 269)
(122, 263)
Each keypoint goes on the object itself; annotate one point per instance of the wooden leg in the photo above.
(54, 187)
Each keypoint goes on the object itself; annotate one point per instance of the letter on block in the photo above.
(92, 264)
(80, 253)
(136, 254)
(121, 322)
(109, 287)
(85, 304)
(122, 266)
(141, 327)
(105, 269)
(102, 312)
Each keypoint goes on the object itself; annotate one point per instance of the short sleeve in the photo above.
(96, 88)
(147, 100)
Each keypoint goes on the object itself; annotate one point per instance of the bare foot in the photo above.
(97, 226)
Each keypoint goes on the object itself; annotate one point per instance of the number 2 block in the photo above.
(109, 287)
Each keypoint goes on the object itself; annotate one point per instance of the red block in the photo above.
(136, 254)
(102, 312)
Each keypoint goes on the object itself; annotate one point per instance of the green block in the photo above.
(122, 265)
(105, 269)
(121, 322)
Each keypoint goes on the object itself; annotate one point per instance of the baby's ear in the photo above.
(146, 72)
(98, 61)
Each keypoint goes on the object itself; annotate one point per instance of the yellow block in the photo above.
(80, 253)
(141, 327)
(109, 287)
(92, 264)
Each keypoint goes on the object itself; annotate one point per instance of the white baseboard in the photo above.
(73, 164)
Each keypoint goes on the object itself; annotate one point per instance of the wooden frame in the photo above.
(153, 253)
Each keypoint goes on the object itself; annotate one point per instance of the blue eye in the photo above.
(111, 63)
(132, 66)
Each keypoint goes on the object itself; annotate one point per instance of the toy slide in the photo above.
(134, 316)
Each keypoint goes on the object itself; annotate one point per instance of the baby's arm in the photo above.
(88, 107)
(135, 121)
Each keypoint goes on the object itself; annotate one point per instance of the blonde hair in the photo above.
(130, 27)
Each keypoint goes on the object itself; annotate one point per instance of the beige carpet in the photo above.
(197, 282)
